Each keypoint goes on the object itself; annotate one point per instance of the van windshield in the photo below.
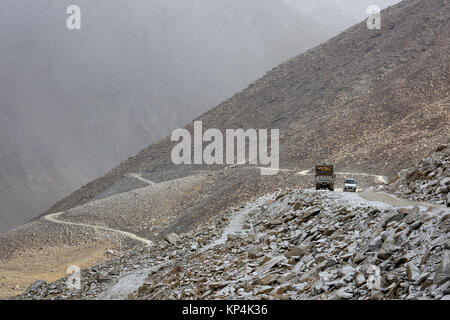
(350, 181)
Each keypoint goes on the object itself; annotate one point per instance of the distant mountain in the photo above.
(75, 103)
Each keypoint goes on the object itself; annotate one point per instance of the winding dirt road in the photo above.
(392, 200)
(307, 172)
(53, 217)
(139, 177)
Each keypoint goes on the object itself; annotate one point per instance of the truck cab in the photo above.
(349, 185)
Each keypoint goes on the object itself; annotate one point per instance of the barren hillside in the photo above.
(367, 100)
(371, 102)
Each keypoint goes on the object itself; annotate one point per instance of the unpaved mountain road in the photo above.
(53, 218)
(306, 172)
(132, 280)
(128, 283)
(236, 222)
(139, 177)
(392, 200)
(378, 178)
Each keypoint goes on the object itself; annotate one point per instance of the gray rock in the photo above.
(163, 244)
(298, 251)
(416, 225)
(445, 288)
(310, 214)
(383, 254)
(269, 264)
(413, 215)
(37, 285)
(437, 294)
(447, 245)
(318, 288)
(331, 262)
(396, 217)
(274, 222)
(339, 283)
(443, 272)
(343, 294)
(347, 272)
(376, 243)
(172, 238)
(412, 272)
(99, 277)
(360, 279)
(422, 278)
(359, 257)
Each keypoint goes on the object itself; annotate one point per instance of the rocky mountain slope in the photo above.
(288, 245)
(43, 248)
(76, 103)
(428, 180)
(291, 244)
(369, 101)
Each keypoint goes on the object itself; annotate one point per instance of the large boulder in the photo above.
(413, 215)
(443, 271)
(163, 245)
(412, 272)
(172, 238)
(298, 251)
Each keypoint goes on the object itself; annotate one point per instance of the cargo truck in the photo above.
(325, 177)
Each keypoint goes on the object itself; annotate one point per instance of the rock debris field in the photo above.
(292, 244)
(429, 180)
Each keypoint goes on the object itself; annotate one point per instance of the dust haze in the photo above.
(74, 104)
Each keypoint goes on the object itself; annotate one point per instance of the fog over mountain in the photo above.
(337, 15)
(76, 103)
